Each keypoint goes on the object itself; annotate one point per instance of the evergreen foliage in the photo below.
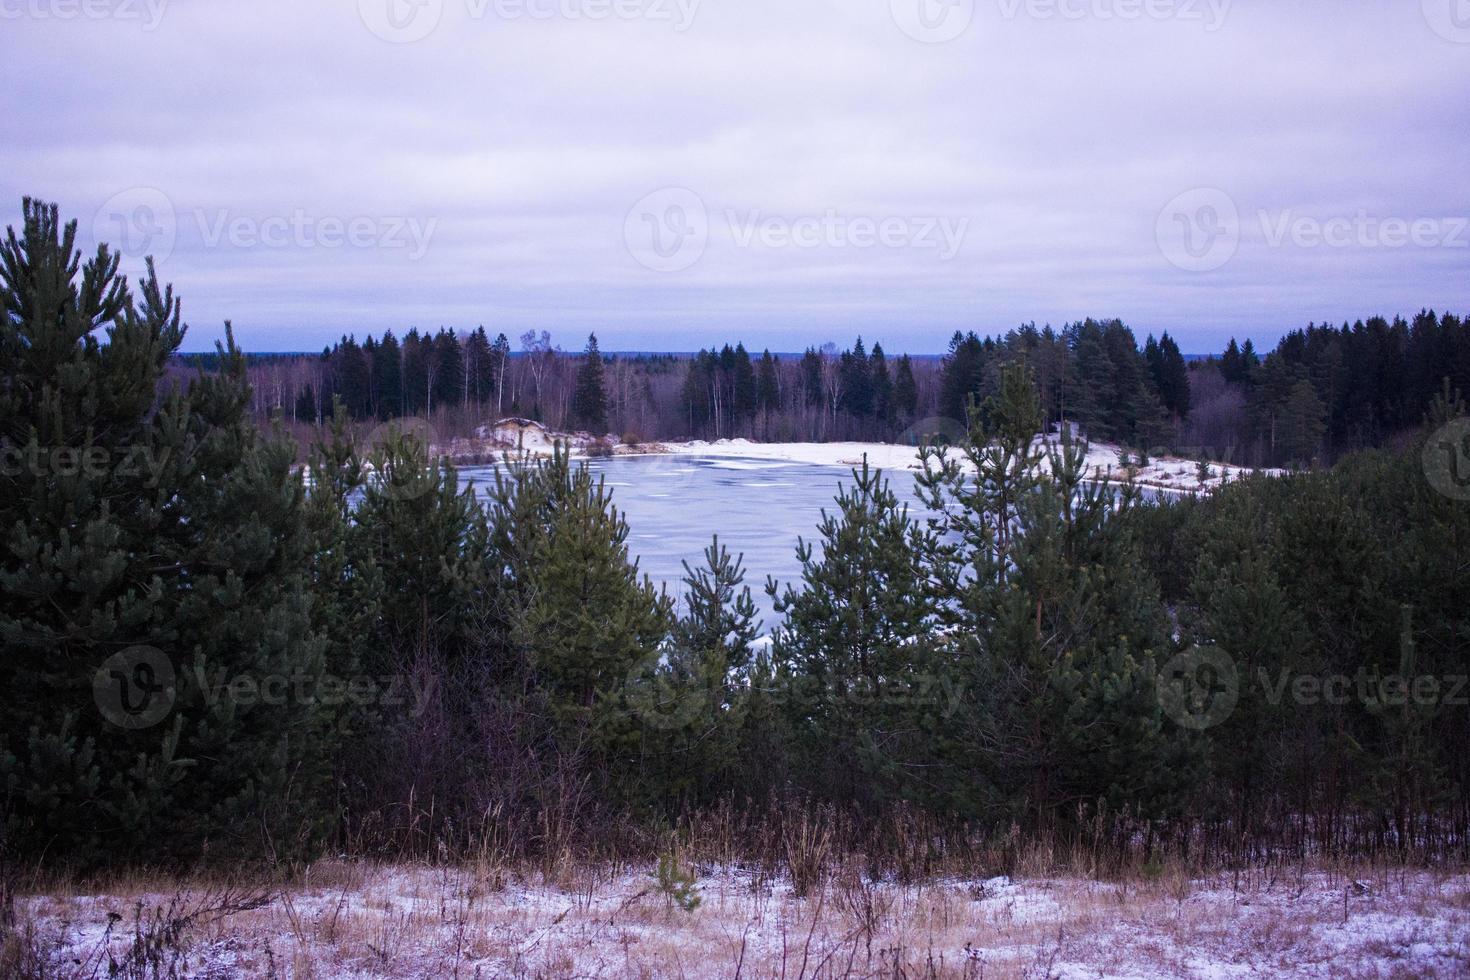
(589, 401)
(143, 538)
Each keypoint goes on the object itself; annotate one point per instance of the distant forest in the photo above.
(1323, 392)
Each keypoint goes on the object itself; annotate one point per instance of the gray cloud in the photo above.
(302, 162)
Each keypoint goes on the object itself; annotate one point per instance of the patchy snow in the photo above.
(360, 920)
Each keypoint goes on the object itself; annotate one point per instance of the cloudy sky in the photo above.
(676, 173)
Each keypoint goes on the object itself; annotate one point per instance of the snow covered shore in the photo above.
(1167, 474)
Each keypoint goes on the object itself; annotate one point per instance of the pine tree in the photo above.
(447, 387)
(479, 368)
(690, 703)
(1057, 624)
(388, 377)
(138, 585)
(744, 388)
(420, 529)
(1231, 368)
(811, 376)
(905, 389)
(882, 388)
(354, 377)
(589, 401)
(768, 388)
(853, 649)
(416, 372)
(1302, 422)
(962, 376)
(1175, 386)
(306, 406)
(857, 381)
(578, 615)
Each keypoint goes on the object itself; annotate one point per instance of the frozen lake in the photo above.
(675, 504)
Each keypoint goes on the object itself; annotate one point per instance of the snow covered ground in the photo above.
(1166, 473)
(358, 920)
(1169, 474)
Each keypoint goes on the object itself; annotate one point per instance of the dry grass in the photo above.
(341, 919)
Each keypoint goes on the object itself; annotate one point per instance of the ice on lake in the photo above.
(674, 505)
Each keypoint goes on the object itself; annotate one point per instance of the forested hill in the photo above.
(1322, 392)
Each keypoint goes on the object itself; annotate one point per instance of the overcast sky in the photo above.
(676, 173)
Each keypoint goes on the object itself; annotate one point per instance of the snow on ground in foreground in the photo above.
(361, 921)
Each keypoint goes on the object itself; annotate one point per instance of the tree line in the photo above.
(1322, 392)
